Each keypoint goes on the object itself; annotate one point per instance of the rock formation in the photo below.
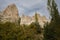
(10, 13)
(28, 20)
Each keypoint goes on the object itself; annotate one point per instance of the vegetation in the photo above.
(52, 29)
(12, 31)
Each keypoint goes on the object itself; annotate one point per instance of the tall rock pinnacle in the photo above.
(11, 13)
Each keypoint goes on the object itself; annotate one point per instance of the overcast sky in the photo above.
(28, 7)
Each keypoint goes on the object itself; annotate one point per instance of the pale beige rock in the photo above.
(10, 13)
(28, 20)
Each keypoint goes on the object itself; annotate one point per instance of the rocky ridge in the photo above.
(28, 20)
(11, 14)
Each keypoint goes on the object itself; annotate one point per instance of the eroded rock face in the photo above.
(10, 13)
(28, 20)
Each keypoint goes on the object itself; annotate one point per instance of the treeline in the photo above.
(13, 31)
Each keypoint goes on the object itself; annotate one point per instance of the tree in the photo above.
(19, 20)
(52, 7)
(36, 18)
(38, 27)
(51, 30)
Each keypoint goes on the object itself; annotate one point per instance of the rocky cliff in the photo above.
(10, 13)
(28, 20)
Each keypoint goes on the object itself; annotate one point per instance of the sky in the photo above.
(28, 7)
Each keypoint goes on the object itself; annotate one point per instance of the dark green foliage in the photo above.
(52, 29)
(10, 31)
(36, 23)
(36, 18)
(49, 32)
(36, 26)
(6, 31)
(19, 20)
